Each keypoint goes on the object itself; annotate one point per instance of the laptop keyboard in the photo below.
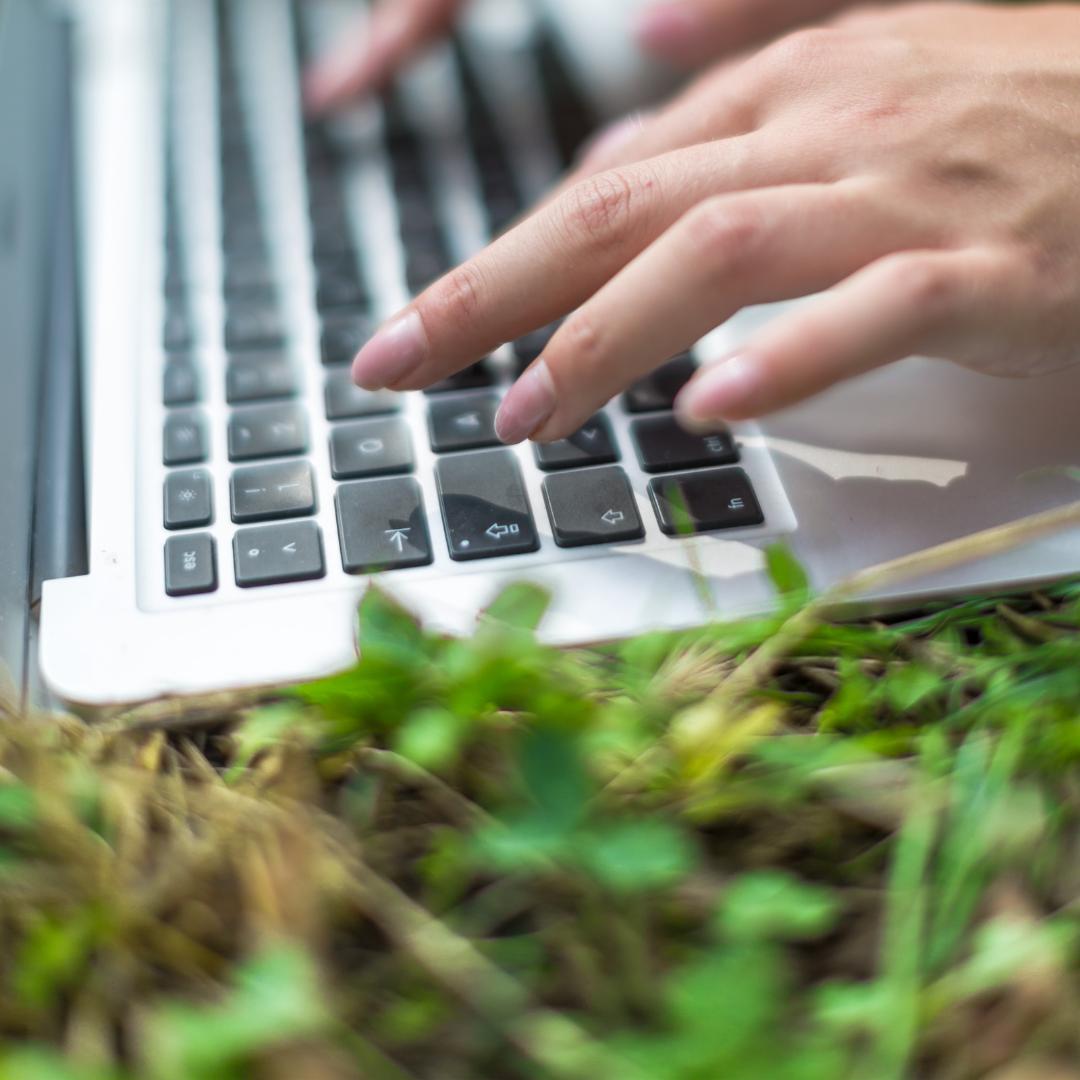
(286, 452)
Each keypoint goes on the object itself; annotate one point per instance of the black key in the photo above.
(463, 423)
(659, 390)
(370, 448)
(260, 377)
(244, 236)
(381, 525)
(343, 336)
(663, 446)
(246, 278)
(180, 382)
(474, 377)
(262, 492)
(593, 444)
(346, 401)
(184, 439)
(190, 565)
(595, 506)
(188, 499)
(276, 554)
(267, 431)
(700, 501)
(178, 334)
(339, 290)
(484, 506)
(529, 347)
(423, 265)
(253, 326)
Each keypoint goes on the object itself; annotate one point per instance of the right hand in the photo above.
(686, 32)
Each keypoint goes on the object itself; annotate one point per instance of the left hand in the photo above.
(923, 166)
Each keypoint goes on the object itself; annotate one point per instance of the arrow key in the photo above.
(381, 525)
(276, 554)
(592, 506)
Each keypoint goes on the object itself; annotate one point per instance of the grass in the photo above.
(788, 848)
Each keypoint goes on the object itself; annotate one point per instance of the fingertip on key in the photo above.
(392, 355)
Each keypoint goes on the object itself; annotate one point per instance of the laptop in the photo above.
(195, 495)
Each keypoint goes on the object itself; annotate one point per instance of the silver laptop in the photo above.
(240, 494)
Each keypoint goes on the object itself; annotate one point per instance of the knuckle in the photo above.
(927, 286)
(582, 339)
(599, 208)
(728, 234)
(806, 48)
(458, 298)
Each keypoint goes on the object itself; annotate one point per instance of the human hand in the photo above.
(922, 166)
(684, 31)
(368, 58)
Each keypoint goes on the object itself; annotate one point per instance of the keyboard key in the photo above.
(700, 501)
(277, 554)
(260, 377)
(346, 401)
(190, 565)
(663, 446)
(267, 431)
(381, 525)
(484, 506)
(659, 390)
(529, 347)
(184, 439)
(343, 336)
(253, 326)
(249, 278)
(594, 506)
(370, 448)
(593, 444)
(264, 492)
(188, 499)
(475, 377)
(178, 334)
(463, 423)
(339, 290)
(180, 382)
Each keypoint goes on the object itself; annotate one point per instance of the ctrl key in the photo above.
(277, 554)
(190, 565)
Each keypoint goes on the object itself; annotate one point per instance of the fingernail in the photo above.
(667, 28)
(726, 387)
(527, 405)
(392, 354)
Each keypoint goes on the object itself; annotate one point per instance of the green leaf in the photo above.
(388, 632)
(431, 737)
(276, 1000)
(520, 606)
(637, 856)
(909, 686)
(787, 573)
(554, 776)
(39, 1063)
(18, 806)
(773, 905)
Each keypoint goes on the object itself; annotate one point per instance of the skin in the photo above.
(921, 166)
(685, 32)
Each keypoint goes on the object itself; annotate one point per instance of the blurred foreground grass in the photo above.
(489, 859)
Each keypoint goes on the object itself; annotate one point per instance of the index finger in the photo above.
(369, 57)
(557, 259)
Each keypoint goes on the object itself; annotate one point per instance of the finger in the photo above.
(729, 252)
(556, 260)
(719, 105)
(914, 302)
(690, 32)
(370, 57)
